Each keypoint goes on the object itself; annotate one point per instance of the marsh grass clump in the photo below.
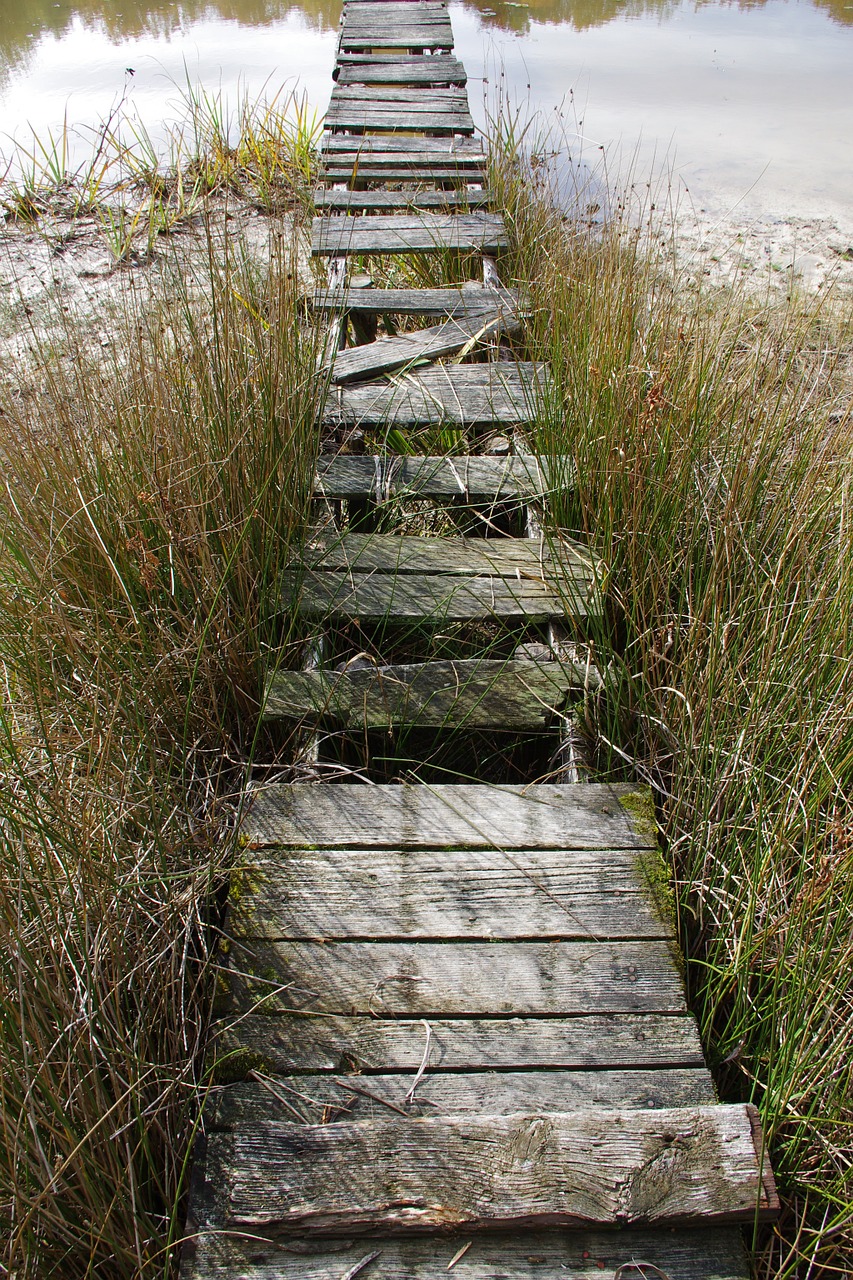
(148, 502)
(714, 478)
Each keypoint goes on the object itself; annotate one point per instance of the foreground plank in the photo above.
(695, 1253)
(565, 1169)
(447, 816)
(480, 479)
(333, 1044)
(531, 558)
(451, 979)
(413, 302)
(468, 893)
(361, 201)
(420, 233)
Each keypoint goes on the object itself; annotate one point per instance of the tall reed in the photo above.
(715, 480)
(147, 506)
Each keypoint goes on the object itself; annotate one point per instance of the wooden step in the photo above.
(409, 233)
(474, 694)
(399, 69)
(457, 815)
(413, 36)
(458, 148)
(376, 108)
(693, 1253)
(444, 303)
(362, 201)
(355, 168)
(590, 1043)
(389, 578)
(474, 480)
(460, 894)
(500, 394)
(577, 1169)
(321, 1097)
(405, 352)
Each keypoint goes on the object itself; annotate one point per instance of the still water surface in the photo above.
(749, 101)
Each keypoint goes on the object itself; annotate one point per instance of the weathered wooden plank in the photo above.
(431, 599)
(450, 1093)
(525, 559)
(452, 979)
(449, 338)
(360, 201)
(457, 148)
(399, 169)
(416, 99)
(432, 36)
(464, 894)
(474, 479)
(413, 302)
(440, 70)
(696, 1253)
(494, 393)
(576, 1168)
(448, 816)
(477, 694)
(421, 233)
(354, 118)
(304, 1043)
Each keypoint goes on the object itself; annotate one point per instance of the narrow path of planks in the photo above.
(452, 1031)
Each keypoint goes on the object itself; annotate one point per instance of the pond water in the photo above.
(747, 102)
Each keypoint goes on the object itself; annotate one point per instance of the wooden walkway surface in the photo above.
(452, 1034)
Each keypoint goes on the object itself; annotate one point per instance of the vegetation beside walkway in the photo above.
(712, 435)
(147, 507)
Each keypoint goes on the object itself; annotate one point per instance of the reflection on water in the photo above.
(755, 89)
(24, 21)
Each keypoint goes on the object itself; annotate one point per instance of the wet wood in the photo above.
(476, 694)
(419, 233)
(582, 1168)
(696, 1253)
(321, 1098)
(306, 1043)
(447, 816)
(447, 894)
(451, 979)
(500, 394)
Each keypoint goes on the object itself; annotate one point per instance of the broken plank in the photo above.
(421, 233)
(495, 393)
(448, 1093)
(447, 816)
(432, 599)
(360, 201)
(601, 1167)
(413, 302)
(305, 1043)
(388, 355)
(531, 560)
(451, 979)
(447, 894)
(696, 1253)
(473, 694)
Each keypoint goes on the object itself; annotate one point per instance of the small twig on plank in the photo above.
(365, 1093)
(424, 1062)
(359, 1266)
(460, 1253)
(645, 1269)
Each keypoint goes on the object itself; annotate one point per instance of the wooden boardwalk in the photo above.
(452, 1030)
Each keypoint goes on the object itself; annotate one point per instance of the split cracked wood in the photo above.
(493, 394)
(574, 1169)
(421, 233)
